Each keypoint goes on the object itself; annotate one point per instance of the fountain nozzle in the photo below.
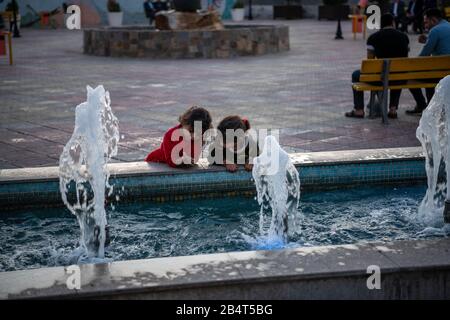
(447, 211)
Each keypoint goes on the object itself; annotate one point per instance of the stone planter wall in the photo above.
(143, 42)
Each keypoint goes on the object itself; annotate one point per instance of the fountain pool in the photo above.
(348, 229)
(195, 229)
(47, 237)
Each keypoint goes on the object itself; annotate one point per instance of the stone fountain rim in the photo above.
(228, 27)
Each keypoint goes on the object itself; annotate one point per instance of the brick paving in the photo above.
(303, 92)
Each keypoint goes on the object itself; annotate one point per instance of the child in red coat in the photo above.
(182, 145)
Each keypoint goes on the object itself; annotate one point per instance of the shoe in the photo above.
(415, 111)
(392, 115)
(352, 114)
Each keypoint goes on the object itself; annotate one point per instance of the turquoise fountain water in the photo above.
(83, 170)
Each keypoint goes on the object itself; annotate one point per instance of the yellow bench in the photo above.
(418, 72)
(10, 52)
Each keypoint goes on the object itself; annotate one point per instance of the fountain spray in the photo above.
(278, 186)
(434, 135)
(83, 169)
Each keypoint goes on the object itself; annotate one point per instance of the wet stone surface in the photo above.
(304, 92)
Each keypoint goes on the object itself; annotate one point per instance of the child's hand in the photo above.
(248, 166)
(231, 167)
(188, 160)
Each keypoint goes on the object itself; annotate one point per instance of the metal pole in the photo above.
(250, 14)
(339, 31)
(385, 79)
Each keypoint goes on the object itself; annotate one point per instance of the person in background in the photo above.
(436, 44)
(429, 4)
(362, 5)
(2, 37)
(385, 43)
(160, 6)
(414, 15)
(398, 11)
(149, 11)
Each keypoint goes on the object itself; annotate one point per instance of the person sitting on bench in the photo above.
(149, 11)
(385, 43)
(436, 44)
(151, 8)
(160, 5)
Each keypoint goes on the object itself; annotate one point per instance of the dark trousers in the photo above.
(418, 24)
(420, 99)
(401, 23)
(358, 96)
(149, 13)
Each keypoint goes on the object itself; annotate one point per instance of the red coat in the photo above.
(164, 152)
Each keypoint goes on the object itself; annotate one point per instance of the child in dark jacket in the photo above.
(235, 143)
(180, 146)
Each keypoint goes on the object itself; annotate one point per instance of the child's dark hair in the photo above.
(233, 123)
(196, 114)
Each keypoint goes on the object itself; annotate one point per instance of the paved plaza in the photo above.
(303, 92)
